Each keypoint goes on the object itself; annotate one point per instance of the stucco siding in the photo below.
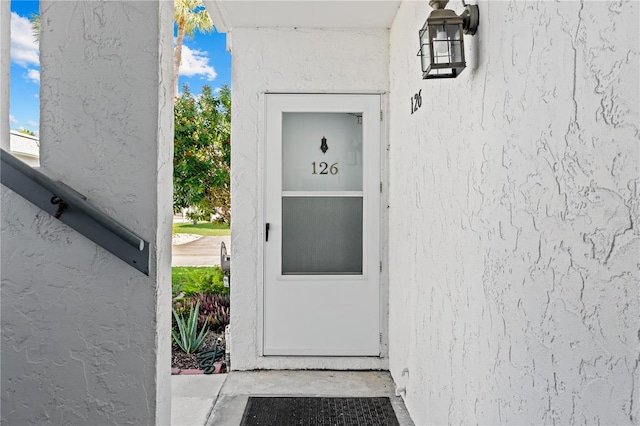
(513, 222)
(85, 337)
(291, 61)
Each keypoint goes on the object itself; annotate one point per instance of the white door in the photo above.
(322, 225)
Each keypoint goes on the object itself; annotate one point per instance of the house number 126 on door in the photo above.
(324, 168)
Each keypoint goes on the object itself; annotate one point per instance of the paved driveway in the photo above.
(202, 252)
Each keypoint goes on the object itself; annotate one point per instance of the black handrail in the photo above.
(73, 209)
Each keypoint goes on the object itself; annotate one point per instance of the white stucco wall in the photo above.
(514, 212)
(25, 148)
(85, 337)
(284, 60)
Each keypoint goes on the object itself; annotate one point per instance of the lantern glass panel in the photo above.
(425, 50)
(447, 51)
(441, 44)
(455, 41)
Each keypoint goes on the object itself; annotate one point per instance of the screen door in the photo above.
(322, 226)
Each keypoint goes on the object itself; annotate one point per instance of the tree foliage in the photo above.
(34, 19)
(26, 131)
(202, 153)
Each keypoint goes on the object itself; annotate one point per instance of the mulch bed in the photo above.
(183, 361)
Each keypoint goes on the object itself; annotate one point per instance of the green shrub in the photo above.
(187, 336)
(195, 280)
(214, 283)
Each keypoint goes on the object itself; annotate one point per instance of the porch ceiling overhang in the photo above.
(228, 14)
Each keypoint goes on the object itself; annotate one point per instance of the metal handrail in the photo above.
(72, 208)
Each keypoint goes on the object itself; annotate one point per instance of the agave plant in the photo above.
(187, 336)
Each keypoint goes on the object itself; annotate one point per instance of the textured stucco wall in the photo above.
(85, 337)
(284, 60)
(514, 212)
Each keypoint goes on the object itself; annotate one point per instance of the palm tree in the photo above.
(189, 15)
(26, 131)
(35, 25)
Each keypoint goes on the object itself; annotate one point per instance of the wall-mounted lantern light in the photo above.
(442, 41)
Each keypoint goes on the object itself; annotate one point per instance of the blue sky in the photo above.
(204, 61)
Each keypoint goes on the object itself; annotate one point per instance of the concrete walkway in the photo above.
(202, 252)
(220, 399)
(193, 398)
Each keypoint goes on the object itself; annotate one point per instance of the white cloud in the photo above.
(24, 48)
(32, 123)
(13, 119)
(33, 75)
(196, 62)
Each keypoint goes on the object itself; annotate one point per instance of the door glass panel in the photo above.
(321, 151)
(322, 235)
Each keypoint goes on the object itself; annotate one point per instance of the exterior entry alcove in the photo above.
(320, 48)
(512, 193)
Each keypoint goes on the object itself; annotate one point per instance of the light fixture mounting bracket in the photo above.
(438, 4)
(470, 18)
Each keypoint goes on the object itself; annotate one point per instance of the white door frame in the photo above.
(301, 102)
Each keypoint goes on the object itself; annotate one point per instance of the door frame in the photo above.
(346, 362)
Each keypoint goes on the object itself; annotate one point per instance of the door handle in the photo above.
(267, 232)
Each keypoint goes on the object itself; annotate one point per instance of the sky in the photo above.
(204, 61)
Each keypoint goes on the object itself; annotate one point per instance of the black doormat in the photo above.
(314, 411)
